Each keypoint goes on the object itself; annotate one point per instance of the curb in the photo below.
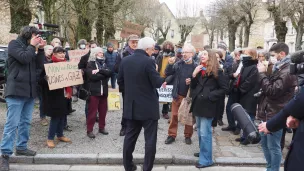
(113, 159)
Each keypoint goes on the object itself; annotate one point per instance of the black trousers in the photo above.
(132, 132)
(123, 121)
(221, 108)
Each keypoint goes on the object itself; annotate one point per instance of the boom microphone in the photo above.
(297, 57)
(51, 25)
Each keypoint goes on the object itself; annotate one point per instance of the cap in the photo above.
(133, 37)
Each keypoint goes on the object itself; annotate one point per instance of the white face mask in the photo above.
(273, 60)
(82, 46)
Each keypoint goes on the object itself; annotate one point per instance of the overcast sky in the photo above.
(172, 4)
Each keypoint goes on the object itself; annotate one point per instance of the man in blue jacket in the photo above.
(20, 92)
(110, 62)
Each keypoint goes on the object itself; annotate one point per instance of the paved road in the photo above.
(120, 168)
(223, 142)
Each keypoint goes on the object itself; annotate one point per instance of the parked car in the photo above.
(3, 57)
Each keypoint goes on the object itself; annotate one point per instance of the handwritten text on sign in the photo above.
(165, 94)
(113, 100)
(63, 74)
(75, 55)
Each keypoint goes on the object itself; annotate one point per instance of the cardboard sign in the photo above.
(75, 55)
(113, 100)
(131, 28)
(63, 74)
(165, 94)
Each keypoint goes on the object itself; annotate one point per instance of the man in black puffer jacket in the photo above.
(20, 92)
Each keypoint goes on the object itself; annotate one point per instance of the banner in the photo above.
(165, 94)
(63, 74)
(131, 28)
(113, 100)
(75, 55)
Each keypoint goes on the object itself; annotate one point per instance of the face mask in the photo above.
(273, 60)
(244, 56)
(188, 60)
(82, 46)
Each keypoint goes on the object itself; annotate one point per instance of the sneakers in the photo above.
(50, 143)
(122, 132)
(64, 139)
(220, 122)
(188, 141)
(4, 163)
(26, 152)
(103, 131)
(44, 122)
(67, 128)
(90, 135)
(165, 115)
(169, 140)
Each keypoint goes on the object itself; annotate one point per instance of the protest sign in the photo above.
(63, 74)
(75, 55)
(131, 28)
(165, 94)
(113, 100)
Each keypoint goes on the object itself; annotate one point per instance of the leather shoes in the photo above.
(237, 131)
(103, 131)
(199, 166)
(169, 140)
(134, 167)
(90, 135)
(228, 128)
(220, 122)
(196, 154)
(188, 141)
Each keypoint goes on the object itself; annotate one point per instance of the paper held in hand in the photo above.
(113, 100)
(63, 74)
(165, 94)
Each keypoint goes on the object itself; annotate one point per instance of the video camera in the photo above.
(46, 33)
(297, 65)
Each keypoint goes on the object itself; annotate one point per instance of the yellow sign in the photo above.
(113, 100)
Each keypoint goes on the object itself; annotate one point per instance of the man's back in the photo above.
(140, 79)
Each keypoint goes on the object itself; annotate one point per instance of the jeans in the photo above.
(204, 132)
(230, 117)
(56, 127)
(19, 116)
(113, 80)
(272, 150)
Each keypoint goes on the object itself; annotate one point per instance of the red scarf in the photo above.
(204, 71)
(68, 90)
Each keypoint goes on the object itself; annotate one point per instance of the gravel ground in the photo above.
(223, 142)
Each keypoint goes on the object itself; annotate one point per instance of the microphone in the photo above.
(297, 57)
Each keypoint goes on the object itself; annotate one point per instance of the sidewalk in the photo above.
(225, 149)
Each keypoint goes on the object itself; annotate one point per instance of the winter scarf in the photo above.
(128, 49)
(204, 70)
(280, 63)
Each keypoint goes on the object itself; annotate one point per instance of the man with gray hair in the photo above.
(181, 72)
(138, 75)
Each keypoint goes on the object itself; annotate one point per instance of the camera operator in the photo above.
(277, 90)
(20, 92)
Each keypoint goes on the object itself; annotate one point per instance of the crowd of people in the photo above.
(257, 79)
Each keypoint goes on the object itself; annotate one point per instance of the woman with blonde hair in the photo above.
(208, 85)
(248, 85)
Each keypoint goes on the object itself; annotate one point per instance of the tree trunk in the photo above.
(20, 15)
(100, 22)
(211, 38)
(84, 28)
(222, 34)
(281, 30)
(241, 37)
(247, 34)
(232, 28)
(299, 35)
(109, 21)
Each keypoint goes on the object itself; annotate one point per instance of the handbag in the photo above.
(84, 94)
(184, 115)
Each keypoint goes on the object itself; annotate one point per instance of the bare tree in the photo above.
(249, 8)
(296, 16)
(229, 9)
(187, 17)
